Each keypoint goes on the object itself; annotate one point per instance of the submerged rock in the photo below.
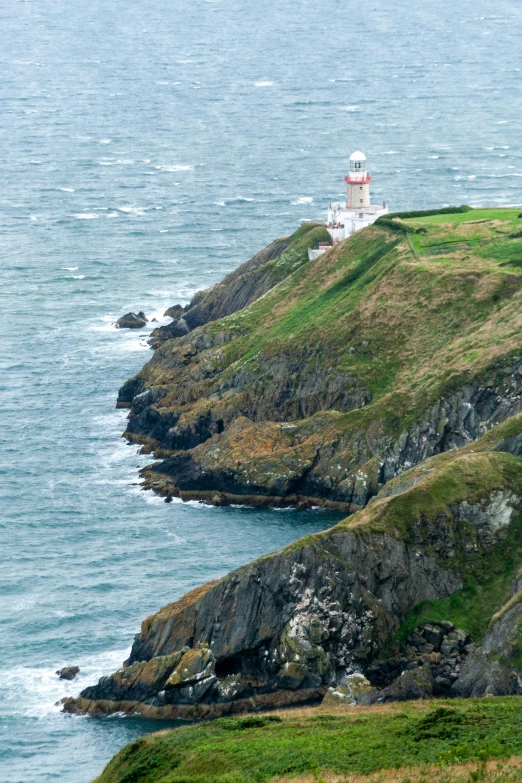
(132, 321)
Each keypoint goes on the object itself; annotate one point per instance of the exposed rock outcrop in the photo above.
(132, 321)
(175, 312)
(495, 667)
(68, 672)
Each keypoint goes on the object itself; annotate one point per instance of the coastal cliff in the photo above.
(390, 348)
(383, 379)
(338, 611)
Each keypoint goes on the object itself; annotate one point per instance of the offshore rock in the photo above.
(132, 321)
(68, 672)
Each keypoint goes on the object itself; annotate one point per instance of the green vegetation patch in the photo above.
(362, 741)
(458, 215)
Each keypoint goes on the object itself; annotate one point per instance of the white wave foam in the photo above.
(349, 108)
(133, 345)
(104, 141)
(67, 190)
(35, 690)
(303, 200)
(390, 152)
(86, 216)
(132, 210)
(118, 162)
(70, 268)
(263, 84)
(174, 168)
(107, 327)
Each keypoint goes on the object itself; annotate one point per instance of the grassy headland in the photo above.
(407, 742)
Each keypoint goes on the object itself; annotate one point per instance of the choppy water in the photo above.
(145, 150)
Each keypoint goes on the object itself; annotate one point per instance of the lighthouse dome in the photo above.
(357, 162)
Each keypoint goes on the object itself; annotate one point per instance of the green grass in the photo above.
(494, 213)
(258, 750)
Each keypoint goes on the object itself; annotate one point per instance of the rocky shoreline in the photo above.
(381, 380)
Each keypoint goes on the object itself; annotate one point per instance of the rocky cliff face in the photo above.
(312, 617)
(338, 374)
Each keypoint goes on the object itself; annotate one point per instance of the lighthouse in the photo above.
(358, 181)
(358, 211)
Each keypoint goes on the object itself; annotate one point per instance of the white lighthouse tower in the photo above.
(358, 212)
(358, 181)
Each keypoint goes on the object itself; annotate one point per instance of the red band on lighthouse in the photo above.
(354, 180)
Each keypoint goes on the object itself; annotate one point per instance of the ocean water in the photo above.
(145, 150)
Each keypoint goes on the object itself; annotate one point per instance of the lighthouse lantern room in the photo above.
(357, 212)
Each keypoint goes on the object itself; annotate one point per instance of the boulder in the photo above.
(219, 499)
(176, 311)
(132, 321)
(433, 635)
(356, 690)
(68, 672)
(412, 684)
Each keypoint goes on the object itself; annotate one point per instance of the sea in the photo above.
(146, 149)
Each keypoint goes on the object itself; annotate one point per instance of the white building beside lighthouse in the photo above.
(357, 212)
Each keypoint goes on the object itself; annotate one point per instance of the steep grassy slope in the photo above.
(321, 743)
(245, 284)
(389, 348)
